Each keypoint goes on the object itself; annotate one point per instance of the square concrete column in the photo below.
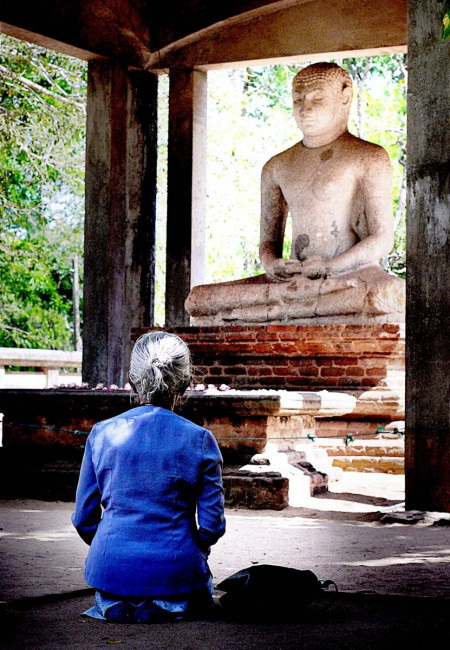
(428, 261)
(120, 216)
(186, 199)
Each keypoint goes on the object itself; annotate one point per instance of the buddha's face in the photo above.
(320, 107)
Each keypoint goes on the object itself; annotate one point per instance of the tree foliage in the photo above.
(446, 21)
(42, 141)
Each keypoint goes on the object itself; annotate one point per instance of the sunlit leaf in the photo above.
(446, 22)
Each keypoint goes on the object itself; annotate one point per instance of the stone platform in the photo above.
(45, 433)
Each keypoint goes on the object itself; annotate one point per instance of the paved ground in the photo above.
(400, 575)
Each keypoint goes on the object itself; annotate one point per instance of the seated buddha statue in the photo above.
(338, 191)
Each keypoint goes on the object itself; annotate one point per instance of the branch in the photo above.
(34, 86)
(13, 329)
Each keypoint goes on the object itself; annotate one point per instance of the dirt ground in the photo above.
(393, 579)
(349, 623)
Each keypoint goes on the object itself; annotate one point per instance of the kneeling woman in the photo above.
(154, 475)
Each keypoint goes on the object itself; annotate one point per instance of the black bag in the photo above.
(269, 591)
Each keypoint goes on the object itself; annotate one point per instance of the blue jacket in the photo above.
(150, 471)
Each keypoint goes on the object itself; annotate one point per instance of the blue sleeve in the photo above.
(210, 500)
(87, 515)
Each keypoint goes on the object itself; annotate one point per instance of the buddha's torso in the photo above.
(323, 190)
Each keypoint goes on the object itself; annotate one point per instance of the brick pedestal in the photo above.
(321, 357)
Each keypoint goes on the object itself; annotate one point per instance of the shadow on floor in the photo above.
(350, 621)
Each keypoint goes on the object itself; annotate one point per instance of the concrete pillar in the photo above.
(120, 216)
(428, 261)
(186, 198)
(51, 377)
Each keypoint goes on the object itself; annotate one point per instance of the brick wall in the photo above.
(321, 357)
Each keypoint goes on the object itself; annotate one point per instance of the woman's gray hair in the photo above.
(160, 368)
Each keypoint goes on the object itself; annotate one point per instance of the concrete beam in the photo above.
(186, 201)
(87, 29)
(194, 16)
(428, 262)
(318, 29)
(40, 358)
(120, 216)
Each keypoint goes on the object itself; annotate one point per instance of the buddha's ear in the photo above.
(347, 95)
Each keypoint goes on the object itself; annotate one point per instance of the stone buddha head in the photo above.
(322, 95)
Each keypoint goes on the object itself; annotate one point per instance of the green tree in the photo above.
(42, 142)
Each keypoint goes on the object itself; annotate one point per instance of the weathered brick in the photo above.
(330, 381)
(240, 336)
(237, 370)
(365, 346)
(302, 363)
(288, 336)
(263, 349)
(331, 372)
(304, 380)
(354, 371)
(308, 371)
(258, 371)
(325, 349)
(344, 362)
(231, 329)
(234, 348)
(282, 328)
(376, 372)
(285, 348)
(279, 361)
(390, 347)
(349, 382)
(249, 361)
(267, 336)
(210, 336)
(369, 381)
(272, 381)
(282, 370)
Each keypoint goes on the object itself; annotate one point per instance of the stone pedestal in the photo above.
(367, 360)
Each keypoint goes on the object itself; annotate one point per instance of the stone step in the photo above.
(377, 448)
(257, 491)
(385, 464)
(380, 455)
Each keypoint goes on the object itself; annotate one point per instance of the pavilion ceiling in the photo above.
(145, 34)
(129, 30)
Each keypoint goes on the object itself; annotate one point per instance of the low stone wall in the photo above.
(321, 357)
(45, 433)
(242, 421)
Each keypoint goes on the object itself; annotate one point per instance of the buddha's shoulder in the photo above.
(359, 148)
(280, 160)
